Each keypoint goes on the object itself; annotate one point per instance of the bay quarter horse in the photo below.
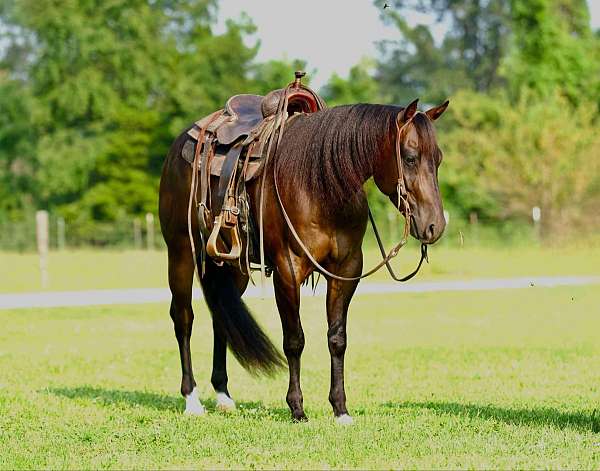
(309, 202)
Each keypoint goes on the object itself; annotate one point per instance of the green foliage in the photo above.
(466, 137)
(553, 48)
(17, 162)
(92, 94)
(468, 56)
(502, 158)
(534, 44)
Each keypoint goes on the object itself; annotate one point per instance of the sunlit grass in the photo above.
(504, 379)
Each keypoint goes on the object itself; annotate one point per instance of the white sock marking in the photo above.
(193, 406)
(224, 402)
(344, 419)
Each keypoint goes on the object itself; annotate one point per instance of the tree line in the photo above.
(92, 94)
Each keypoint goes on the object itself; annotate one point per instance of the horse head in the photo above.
(413, 172)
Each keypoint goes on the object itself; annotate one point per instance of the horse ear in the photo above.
(408, 112)
(436, 112)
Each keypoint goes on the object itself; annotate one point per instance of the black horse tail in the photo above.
(232, 319)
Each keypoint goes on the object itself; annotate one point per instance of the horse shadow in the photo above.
(582, 421)
(162, 402)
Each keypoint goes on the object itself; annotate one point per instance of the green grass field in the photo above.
(491, 379)
(99, 269)
(440, 380)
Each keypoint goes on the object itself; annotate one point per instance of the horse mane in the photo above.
(331, 153)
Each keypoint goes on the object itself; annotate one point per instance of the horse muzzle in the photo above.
(427, 233)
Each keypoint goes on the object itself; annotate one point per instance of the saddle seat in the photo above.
(244, 113)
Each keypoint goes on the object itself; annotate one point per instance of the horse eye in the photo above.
(410, 159)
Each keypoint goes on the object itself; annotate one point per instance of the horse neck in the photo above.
(333, 153)
(367, 149)
(383, 161)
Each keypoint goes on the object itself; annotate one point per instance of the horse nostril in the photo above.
(430, 230)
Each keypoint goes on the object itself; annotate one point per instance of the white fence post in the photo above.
(41, 225)
(536, 215)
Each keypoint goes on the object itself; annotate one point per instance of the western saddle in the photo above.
(233, 145)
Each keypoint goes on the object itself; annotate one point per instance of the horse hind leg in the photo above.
(219, 377)
(181, 275)
(233, 326)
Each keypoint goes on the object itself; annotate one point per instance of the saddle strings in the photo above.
(280, 117)
(193, 191)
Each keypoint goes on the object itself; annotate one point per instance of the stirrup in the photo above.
(211, 245)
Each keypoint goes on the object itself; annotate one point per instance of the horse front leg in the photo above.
(339, 294)
(287, 295)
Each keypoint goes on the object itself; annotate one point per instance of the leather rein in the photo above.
(402, 204)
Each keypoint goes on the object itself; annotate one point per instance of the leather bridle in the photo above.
(402, 204)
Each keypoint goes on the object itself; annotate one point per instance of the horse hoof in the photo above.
(196, 410)
(225, 403)
(344, 419)
(299, 417)
(193, 406)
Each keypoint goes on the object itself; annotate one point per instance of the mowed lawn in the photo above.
(105, 269)
(490, 379)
